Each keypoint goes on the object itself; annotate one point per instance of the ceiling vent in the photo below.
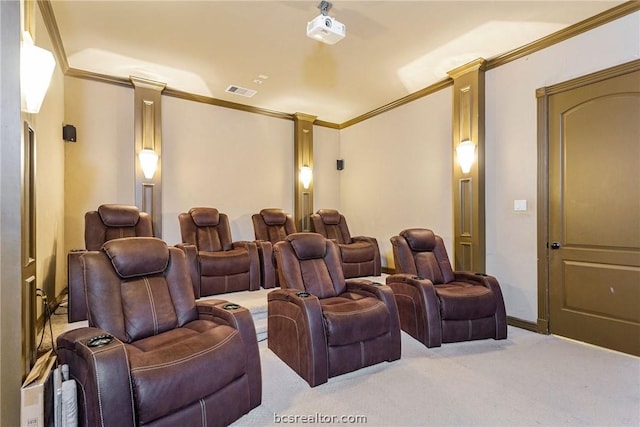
(237, 90)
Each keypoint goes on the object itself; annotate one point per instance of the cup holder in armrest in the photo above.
(303, 294)
(481, 274)
(417, 277)
(231, 306)
(376, 284)
(99, 340)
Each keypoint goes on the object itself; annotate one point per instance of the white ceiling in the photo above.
(392, 48)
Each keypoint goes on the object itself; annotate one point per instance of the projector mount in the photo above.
(324, 7)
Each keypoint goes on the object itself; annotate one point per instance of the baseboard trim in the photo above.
(387, 270)
(522, 324)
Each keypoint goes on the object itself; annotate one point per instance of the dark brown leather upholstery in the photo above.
(437, 304)
(172, 361)
(322, 325)
(107, 223)
(217, 264)
(270, 226)
(360, 255)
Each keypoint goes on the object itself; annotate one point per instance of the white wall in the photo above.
(326, 178)
(397, 172)
(511, 148)
(234, 161)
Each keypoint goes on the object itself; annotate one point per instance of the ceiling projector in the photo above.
(326, 29)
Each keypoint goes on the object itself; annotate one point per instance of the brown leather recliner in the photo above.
(322, 325)
(152, 355)
(270, 226)
(360, 254)
(217, 264)
(108, 222)
(439, 305)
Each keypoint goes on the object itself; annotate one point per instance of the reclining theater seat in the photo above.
(107, 223)
(321, 325)
(360, 255)
(167, 360)
(270, 226)
(439, 305)
(217, 264)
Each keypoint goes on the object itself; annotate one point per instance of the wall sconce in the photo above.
(305, 176)
(148, 162)
(466, 152)
(36, 69)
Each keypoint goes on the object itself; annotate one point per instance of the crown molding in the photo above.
(543, 43)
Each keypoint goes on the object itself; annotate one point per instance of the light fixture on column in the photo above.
(466, 152)
(36, 69)
(305, 176)
(148, 162)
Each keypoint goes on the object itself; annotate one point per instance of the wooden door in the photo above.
(594, 212)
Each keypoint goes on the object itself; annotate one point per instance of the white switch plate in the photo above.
(519, 205)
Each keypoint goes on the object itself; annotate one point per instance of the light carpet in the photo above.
(526, 380)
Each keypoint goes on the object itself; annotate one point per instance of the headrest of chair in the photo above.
(274, 216)
(205, 217)
(119, 215)
(308, 245)
(137, 256)
(420, 239)
(329, 216)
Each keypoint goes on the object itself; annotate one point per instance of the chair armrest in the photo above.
(254, 260)
(267, 269)
(238, 317)
(492, 283)
(191, 253)
(377, 263)
(105, 394)
(296, 333)
(418, 307)
(77, 301)
(385, 294)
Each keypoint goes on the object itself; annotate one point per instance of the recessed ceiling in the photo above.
(392, 48)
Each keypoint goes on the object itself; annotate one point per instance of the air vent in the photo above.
(241, 91)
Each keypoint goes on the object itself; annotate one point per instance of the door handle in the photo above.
(555, 245)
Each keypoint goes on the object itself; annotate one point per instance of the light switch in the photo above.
(519, 205)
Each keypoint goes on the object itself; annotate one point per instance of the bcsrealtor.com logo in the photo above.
(318, 418)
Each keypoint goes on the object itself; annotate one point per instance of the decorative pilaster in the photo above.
(468, 187)
(148, 136)
(303, 158)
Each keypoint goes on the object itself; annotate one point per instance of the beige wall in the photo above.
(99, 166)
(398, 172)
(50, 251)
(234, 161)
(511, 148)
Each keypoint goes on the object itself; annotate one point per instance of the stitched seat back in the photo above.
(114, 221)
(138, 287)
(332, 225)
(311, 263)
(206, 228)
(423, 253)
(272, 225)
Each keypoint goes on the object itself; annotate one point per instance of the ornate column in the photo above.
(148, 148)
(468, 179)
(303, 167)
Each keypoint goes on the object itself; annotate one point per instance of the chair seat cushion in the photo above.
(224, 263)
(183, 365)
(351, 318)
(357, 252)
(465, 301)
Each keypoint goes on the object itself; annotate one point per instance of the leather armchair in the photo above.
(322, 325)
(270, 226)
(108, 222)
(437, 304)
(165, 360)
(360, 254)
(216, 263)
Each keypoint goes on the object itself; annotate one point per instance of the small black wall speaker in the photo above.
(340, 164)
(69, 133)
